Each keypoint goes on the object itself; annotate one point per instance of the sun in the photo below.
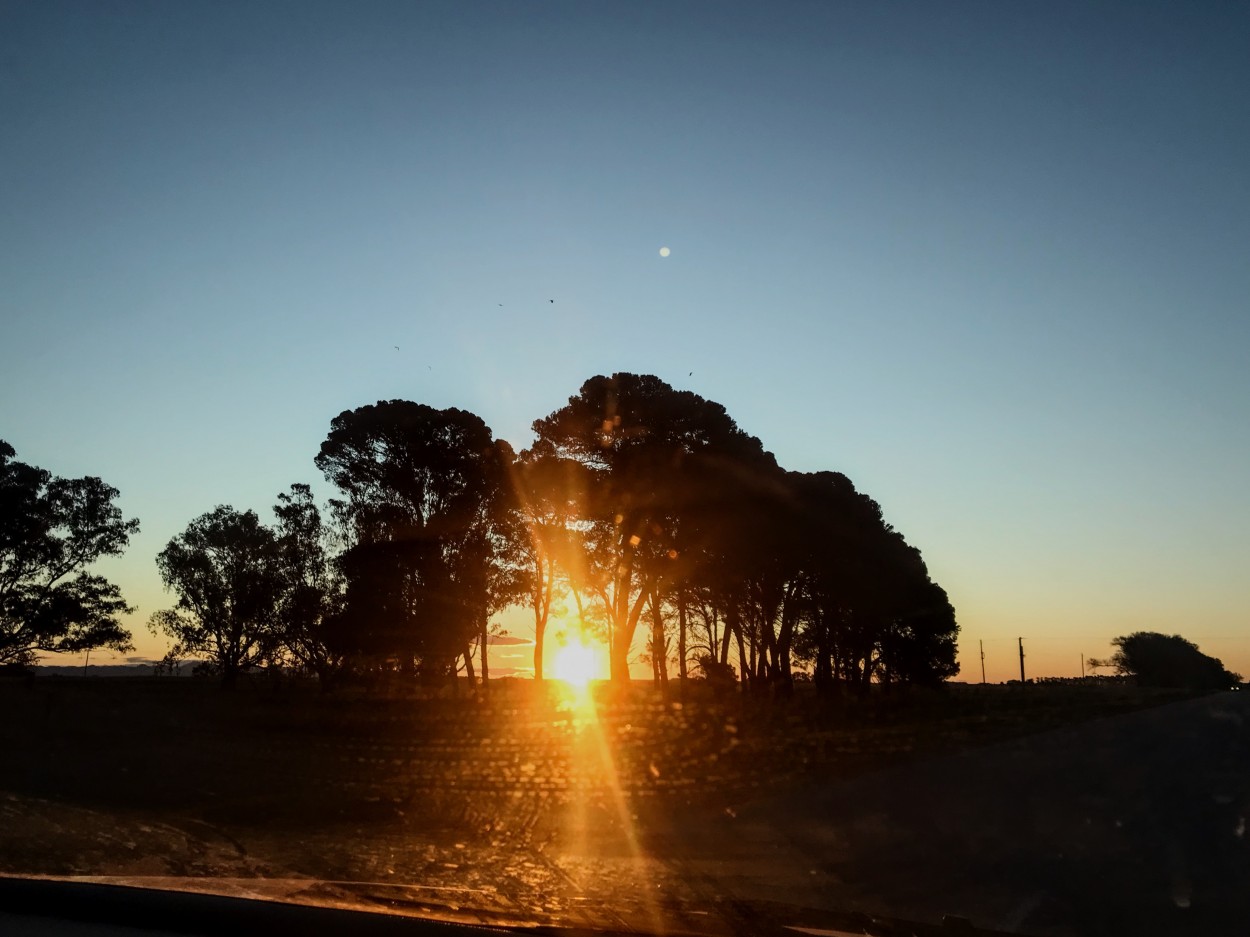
(575, 664)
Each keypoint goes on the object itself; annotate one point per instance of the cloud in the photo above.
(507, 639)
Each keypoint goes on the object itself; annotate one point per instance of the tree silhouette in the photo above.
(51, 530)
(868, 607)
(548, 492)
(1161, 660)
(225, 568)
(736, 561)
(641, 443)
(311, 598)
(426, 507)
(648, 501)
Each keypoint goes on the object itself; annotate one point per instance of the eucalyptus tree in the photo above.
(51, 530)
(226, 570)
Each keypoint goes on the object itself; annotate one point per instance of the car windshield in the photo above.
(661, 467)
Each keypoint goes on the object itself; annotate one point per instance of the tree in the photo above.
(427, 508)
(225, 568)
(869, 610)
(51, 530)
(549, 492)
(311, 597)
(1160, 660)
(642, 445)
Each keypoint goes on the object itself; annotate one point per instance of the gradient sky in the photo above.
(990, 260)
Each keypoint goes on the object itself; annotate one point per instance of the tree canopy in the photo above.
(310, 607)
(51, 530)
(668, 526)
(648, 451)
(1162, 660)
(226, 571)
(428, 510)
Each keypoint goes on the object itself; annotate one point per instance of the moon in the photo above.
(664, 251)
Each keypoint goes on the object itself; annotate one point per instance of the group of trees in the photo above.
(674, 520)
(645, 507)
(249, 594)
(672, 532)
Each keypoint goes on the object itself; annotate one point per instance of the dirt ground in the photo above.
(635, 812)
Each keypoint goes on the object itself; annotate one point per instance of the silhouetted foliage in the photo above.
(549, 492)
(644, 447)
(642, 503)
(311, 601)
(426, 508)
(804, 566)
(1161, 660)
(226, 569)
(51, 530)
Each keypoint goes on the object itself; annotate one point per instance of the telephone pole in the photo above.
(1021, 643)
(982, 643)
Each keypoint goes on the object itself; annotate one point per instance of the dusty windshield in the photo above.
(663, 467)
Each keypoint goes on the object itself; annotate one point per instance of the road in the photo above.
(1128, 824)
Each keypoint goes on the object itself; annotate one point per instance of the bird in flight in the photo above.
(551, 300)
(397, 348)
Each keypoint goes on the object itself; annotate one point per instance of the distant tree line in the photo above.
(645, 507)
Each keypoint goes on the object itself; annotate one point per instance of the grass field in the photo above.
(511, 803)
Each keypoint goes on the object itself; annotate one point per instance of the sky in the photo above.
(988, 260)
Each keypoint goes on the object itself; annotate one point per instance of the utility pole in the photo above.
(1021, 642)
(982, 643)
(1082, 666)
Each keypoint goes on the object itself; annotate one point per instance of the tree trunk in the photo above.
(542, 611)
(731, 625)
(623, 634)
(681, 639)
(539, 633)
(823, 676)
(658, 647)
(485, 652)
(743, 667)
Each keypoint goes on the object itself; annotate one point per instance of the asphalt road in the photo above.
(1128, 824)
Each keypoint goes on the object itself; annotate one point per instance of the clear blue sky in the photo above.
(988, 259)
